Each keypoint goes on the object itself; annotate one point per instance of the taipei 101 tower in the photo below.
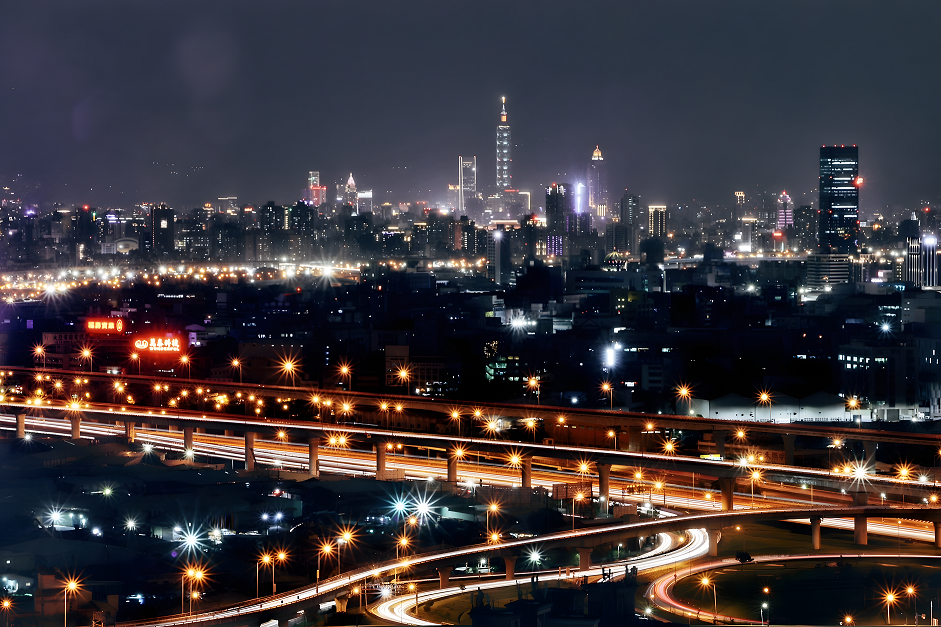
(504, 177)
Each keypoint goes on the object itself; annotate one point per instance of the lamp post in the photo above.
(238, 366)
(40, 351)
(533, 383)
(185, 361)
(910, 591)
(608, 389)
(264, 559)
(715, 601)
(578, 497)
(87, 354)
(764, 398)
(281, 557)
(889, 600)
(685, 393)
(7, 605)
(493, 507)
(70, 586)
(764, 606)
(136, 357)
(325, 549)
(755, 476)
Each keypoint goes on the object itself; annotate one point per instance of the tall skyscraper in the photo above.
(467, 182)
(316, 193)
(785, 211)
(162, 229)
(504, 174)
(598, 184)
(557, 206)
(739, 206)
(657, 221)
(349, 196)
(839, 199)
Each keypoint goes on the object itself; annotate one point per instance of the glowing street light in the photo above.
(715, 612)
(86, 354)
(71, 585)
(237, 364)
(765, 398)
(40, 351)
(684, 392)
(608, 389)
(533, 384)
(578, 497)
(185, 361)
(890, 598)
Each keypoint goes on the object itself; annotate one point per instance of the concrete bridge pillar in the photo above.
(604, 487)
(341, 602)
(870, 449)
(229, 433)
(444, 576)
(719, 437)
(313, 454)
(511, 566)
(187, 438)
(727, 488)
(526, 472)
(860, 530)
(249, 450)
(130, 431)
(21, 426)
(937, 535)
(76, 427)
(380, 460)
(714, 536)
(635, 439)
(452, 467)
(789, 440)
(860, 499)
(815, 532)
(584, 558)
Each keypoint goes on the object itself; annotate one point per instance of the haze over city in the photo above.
(532, 314)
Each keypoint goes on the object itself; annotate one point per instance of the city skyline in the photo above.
(176, 114)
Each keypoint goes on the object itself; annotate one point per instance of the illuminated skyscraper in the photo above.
(557, 208)
(349, 196)
(316, 193)
(504, 175)
(162, 229)
(598, 184)
(839, 199)
(657, 221)
(467, 182)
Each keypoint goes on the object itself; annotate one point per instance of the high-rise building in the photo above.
(598, 184)
(349, 196)
(739, 206)
(504, 174)
(467, 182)
(805, 227)
(316, 193)
(785, 212)
(162, 229)
(557, 207)
(839, 199)
(364, 201)
(630, 209)
(657, 221)
(929, 251)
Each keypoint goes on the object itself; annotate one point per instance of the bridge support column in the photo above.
(444, 576)
(229, 433)
(249, 450)
(870, 449)
(187, 438)
(714, 536)
(860, 499)
(380, 460)
(341, 602)
(76, 427)
(604, 487)
(511, 566)
(21, 426)
(526, 472)
(719, 437)
(937, 535)
(815, 532)
(860, 530)
(584, 559)
(635, 439)
(313, 454)
(727, 488)
(452, 467)
(130, 431)
(789, 440)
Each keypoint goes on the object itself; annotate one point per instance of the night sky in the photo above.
(116, 103)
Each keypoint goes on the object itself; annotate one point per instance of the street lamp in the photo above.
(492, 507)
(70, 586)
(910, 591)
(534, 383)
(715, 602)
(136, 357)
(264, 559)
(281, 556)
(326, 549)
(764, 606)
(87, 354)
(456, 417)
(404, 375)
(578, 497)
(346, 373)
(686, 394)
(889, 600)
(755, 476)
(237, 364)
(764, 398)
(40, 351)
(185, 361)
(608, 389)
(7, 606)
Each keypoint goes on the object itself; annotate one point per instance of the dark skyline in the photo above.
(687, 100)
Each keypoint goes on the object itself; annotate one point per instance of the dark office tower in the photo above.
(929, 251)
(805, 227)
(557, 207)
(161, 229)
(839, 199)
(657, 220)
(629, 209)
(467, 181)
(598, 184)
(739, 206)
(504, 174)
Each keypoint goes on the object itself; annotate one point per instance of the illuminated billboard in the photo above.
(104, 325)
(158, 344)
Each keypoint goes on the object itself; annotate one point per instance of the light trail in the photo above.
(396, 609)
(660, 592)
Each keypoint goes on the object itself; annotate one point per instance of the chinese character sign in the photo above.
(104, 325)
(158, 344)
